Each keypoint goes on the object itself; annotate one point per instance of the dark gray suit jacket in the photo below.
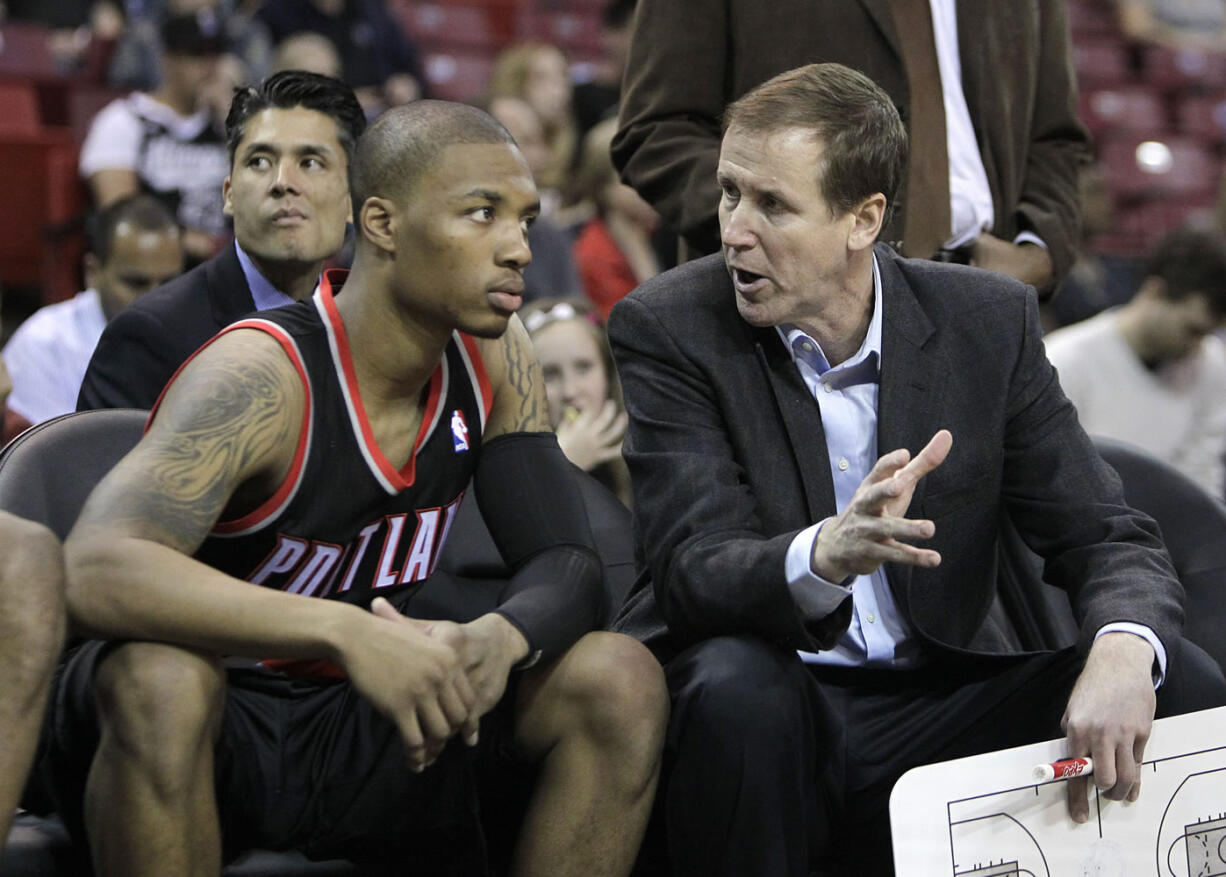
(145, 344)
(728, 457)
(690, 58)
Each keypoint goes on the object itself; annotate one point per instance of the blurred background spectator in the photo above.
(1152, 372)
(134, 247)
(614, 249)
(1179, 24)
(596, 97)
(378, 59)
(308, 51)
(585, 403)
(537, 73)
(168, 142)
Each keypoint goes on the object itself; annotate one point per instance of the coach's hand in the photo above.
(413, 678)
(488, 648)
(1109, 717)
(872, 529)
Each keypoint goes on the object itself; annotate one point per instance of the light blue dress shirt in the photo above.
(263, 293)
(878, 635)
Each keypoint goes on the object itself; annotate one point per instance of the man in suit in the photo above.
(1009, 100)
(289, 140)
(861, 531)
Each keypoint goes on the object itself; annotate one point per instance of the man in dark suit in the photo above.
(861, 531)
(1007, 65)
(290, 140)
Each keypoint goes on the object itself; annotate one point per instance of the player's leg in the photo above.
(149, 802)
(595, 720)
(31, 635)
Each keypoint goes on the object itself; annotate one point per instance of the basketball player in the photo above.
(298, 477)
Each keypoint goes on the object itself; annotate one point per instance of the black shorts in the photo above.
(306, 765)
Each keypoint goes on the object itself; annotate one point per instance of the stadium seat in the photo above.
(1124, 108)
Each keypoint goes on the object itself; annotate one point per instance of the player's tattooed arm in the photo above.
(518, 383)
(229, 423)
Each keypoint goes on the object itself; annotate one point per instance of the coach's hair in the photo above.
(289, 89)
(142, 212)
(406, 141)
(864, 141)
(1191, 260)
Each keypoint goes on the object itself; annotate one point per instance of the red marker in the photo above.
(1064, 769)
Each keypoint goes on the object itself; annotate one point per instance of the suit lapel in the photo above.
(908, 406)
(229, 294)
(879, 10)
(802, 420)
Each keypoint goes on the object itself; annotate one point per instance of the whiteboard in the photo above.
(984, 816)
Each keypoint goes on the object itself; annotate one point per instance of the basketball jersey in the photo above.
(347, 524)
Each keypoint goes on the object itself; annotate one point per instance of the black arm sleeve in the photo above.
(526, 490)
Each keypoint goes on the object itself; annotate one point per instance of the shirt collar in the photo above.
(263, 293)
(870, 349)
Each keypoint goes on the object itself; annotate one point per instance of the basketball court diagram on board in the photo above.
(986, 816)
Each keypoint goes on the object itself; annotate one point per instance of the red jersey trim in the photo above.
(273, 506)
(392, 480)
(477, 374)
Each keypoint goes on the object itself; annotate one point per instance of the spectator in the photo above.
(614, 250)
(136, 61)
(1176, 24)
(167, 143)
(585, 406)
(552, 273)
(308, 51)
(135, 247)
(290, 140)
(380, 62)
(1152, 372)
(597, 98)
(992, 84)
(537, 73)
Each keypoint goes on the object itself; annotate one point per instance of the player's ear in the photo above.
(376, 221)
(868, 217)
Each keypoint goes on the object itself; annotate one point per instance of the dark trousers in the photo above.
(777, 769)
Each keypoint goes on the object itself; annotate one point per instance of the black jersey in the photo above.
(346, 524)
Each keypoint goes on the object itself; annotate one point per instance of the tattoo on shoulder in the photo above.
(225, 419)
(526, 385)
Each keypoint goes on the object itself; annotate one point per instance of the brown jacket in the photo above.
(690, 58)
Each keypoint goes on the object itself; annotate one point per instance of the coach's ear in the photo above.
(377, 223)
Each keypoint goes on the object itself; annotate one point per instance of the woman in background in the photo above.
(585, 405)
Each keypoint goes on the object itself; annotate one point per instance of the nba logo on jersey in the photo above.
(459, 431)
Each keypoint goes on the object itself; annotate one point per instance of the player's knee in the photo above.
(160, 704)
(32, 609)
(617, 690)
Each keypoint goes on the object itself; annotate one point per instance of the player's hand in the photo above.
(414, 679)
(872, 529)
(1109, 717)
(488, 648)
(589, 438)
(1029, 263)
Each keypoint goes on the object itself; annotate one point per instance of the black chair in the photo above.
(48, 472)
(1193, 525)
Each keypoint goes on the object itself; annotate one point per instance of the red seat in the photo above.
(43, 197)
(1202, 116)
(461, 76)
(1101, 62)
(1124, 108)
(441, 26)
(1092, 18)
(1183, 69)
(1173, 166)
(19, 107)
(25, 51)
(578, 34)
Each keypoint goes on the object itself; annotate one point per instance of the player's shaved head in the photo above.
(406, 141)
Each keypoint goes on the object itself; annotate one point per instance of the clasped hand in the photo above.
(434, 679)
(871, 530)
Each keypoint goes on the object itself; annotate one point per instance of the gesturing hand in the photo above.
(872, 529)
(1109, 717)
(414, 679)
